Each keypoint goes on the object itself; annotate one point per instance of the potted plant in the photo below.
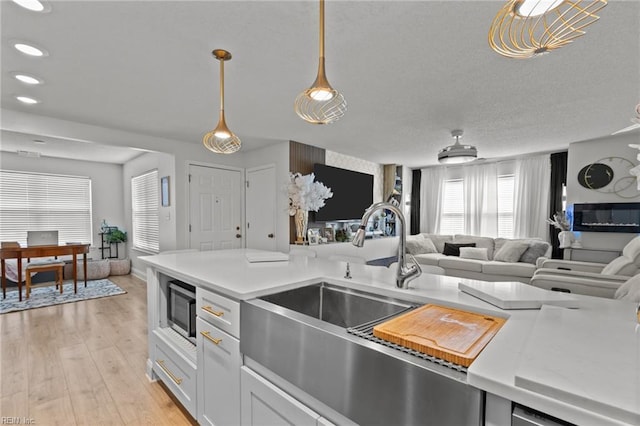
(116, 236)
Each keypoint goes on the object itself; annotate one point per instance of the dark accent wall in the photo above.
(301, 160)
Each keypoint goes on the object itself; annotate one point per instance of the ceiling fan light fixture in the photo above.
(527, 28)
(457, 153)
(221, 140)
(321, 103)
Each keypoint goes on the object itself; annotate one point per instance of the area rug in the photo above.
(49, 295)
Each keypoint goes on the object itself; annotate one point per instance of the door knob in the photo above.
(238, 236)
(270, 235)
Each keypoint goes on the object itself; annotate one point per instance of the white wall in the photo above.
(106, 187)
(587, 152)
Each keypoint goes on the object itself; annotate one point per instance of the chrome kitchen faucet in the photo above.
(405, 273)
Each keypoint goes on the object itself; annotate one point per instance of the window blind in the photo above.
(505, 205)
(144, 206)
(452, 217)
(45, 202)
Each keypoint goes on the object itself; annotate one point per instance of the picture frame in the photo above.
(313, 236)
(329, 234)
(164, 191)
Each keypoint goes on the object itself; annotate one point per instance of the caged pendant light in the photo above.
(221, 140)
(528, 28)
(321, 103)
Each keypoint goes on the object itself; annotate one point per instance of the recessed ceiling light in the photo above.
(27, 100)
(33, 5)
(27, 79)
(28, 49)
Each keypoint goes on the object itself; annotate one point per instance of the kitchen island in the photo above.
(579, 365)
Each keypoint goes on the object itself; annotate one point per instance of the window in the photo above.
(505, 205)
(452, 219)
(45, 202)
(144, 206)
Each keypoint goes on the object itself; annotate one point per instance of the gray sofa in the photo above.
(492, 259)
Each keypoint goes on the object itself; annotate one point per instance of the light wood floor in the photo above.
(83, 363)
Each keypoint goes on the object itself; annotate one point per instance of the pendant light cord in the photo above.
(322, 29)
(221, 86)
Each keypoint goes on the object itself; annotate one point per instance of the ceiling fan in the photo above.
(635, 120)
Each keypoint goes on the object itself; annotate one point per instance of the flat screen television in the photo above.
(352, 193)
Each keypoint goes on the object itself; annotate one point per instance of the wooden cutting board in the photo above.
(451, 334)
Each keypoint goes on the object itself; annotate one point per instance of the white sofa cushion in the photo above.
(620, 266)
(632, 251)
(511, 251)
(630, 290)
(536, 250)
(454, 262)
(419, 244)
(482, 242)
(477, 253)
(430, 259)
(439, 240)
(519, 269)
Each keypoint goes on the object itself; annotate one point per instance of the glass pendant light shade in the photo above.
(221, 140)
(321, 103)
(528, 28)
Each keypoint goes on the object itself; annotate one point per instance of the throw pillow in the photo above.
(629, 289)
(452, 249)
(478, 253)
(419, 244)
(533, 252)
(511, 251)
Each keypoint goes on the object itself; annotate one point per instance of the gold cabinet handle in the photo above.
(212, 312)
(176, 380)
(207, 335)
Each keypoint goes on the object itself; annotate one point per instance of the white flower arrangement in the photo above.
(560, 221)
(305, 194)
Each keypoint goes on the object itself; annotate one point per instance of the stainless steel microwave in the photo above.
(181, 314)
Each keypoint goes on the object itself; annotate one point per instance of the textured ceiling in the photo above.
(411, 72)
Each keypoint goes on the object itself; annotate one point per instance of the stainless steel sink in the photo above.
(301, 336)
(337, 305)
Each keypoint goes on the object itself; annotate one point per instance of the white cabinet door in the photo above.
(265, 404)
(219, 364)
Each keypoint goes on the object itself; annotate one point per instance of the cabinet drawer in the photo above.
(218, 310)
(177, 374)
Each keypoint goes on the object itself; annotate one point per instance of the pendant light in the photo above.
(221, 140)
(321, 103)
(528, 28)
(457, 153)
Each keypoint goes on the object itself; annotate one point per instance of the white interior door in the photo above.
(261, 208)
(215, 215)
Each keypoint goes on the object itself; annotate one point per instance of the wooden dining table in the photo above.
(11, 250)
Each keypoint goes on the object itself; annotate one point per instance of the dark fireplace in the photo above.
(607, 217)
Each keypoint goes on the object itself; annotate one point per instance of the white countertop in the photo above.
(581, 365)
